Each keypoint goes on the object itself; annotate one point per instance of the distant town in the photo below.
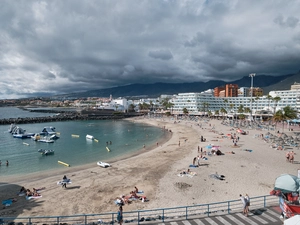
(229, 100)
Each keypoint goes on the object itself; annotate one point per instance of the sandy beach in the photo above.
(156, 171)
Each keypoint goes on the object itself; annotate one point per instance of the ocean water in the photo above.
(126, 137)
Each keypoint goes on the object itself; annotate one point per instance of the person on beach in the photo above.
(287, 156)
(136, 190)
(194, 161)
(7, 163)
(292, 157)
(64, 183)
(244, 205)
(120, 215)
(247, 198)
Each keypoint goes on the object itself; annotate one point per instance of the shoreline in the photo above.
(19, 178)
(94, 189)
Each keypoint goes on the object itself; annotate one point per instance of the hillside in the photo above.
(284, 84)
(267, 82)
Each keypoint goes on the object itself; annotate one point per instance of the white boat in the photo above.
(48, 131)
(89, 137)
(46, 151)
(103, 164)
(53, 137)
(45, 140)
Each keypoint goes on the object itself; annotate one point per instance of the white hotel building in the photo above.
(194, 102)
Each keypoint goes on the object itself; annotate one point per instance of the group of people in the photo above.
(30, 193)
(5, 163)
(246, 203)
(122, 200)
(290, 156)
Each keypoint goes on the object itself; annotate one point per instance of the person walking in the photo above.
(64, 182)
(244, 204)
(120, 215)
(247, 198)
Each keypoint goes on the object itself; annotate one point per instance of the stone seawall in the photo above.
(67, 117)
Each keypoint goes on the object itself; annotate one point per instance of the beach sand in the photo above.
(155, 170)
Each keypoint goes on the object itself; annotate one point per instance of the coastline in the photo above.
(155, 171)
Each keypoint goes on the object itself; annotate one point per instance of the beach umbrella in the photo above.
(287, 183)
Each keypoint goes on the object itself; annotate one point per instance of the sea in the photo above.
(122, 138)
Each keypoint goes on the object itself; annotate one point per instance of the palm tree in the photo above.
(225, 101)
(276, 100)
(278, 117)
(131, 108)
(241, 109)
(256, 100)
(185, 111)
(290, 112)
(285, 114)
(269, 97)
(223, 111)
(205, 106)
(217, 112)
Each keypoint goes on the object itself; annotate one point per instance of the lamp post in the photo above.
(251, 75)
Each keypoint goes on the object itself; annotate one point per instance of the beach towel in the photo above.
(247, 150)
(7, 202)
(194, 166)
(33, 197)
(190, 174)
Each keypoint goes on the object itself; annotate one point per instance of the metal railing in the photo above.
(152, 215)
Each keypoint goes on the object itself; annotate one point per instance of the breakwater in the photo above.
(70, 115)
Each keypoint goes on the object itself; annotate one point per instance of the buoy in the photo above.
(95, 139)
(107, 149)
(65, 164)
(75, 135)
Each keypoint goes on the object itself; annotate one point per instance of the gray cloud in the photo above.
(52, 47)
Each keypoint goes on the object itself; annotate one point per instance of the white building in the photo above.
(197, 103)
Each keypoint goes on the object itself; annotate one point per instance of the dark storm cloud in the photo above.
(72, 45)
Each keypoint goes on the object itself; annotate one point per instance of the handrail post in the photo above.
(29, 220)
(85, 217)
(208, 210)
(228, 205)
(57, 220)
(186, 212)
(138, 217)
(163, 216)
(264, 201)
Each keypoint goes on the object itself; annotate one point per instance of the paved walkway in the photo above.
(256, 217)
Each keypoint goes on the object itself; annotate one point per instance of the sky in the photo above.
(65, 46)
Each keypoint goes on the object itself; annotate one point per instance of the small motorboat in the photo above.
(103, 164)
(45, 140)
(48, 131)
(46, 151)
(53, 137)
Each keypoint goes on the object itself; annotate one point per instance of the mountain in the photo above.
(155, 90)
(284, 84)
